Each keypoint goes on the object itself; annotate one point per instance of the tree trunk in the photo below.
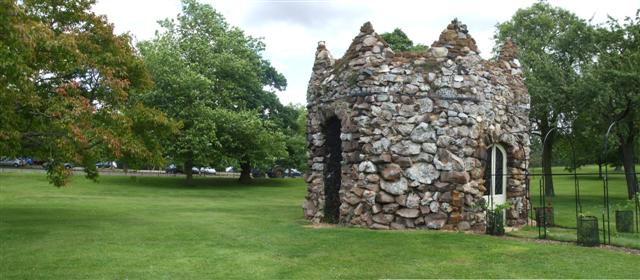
(599, 169)
(245, 172)
(188, 164)
(547, 160)
(628, 161)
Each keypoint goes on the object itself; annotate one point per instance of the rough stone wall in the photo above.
(415, 129)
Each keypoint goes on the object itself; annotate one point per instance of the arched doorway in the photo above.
(495, 176)
(332, 170)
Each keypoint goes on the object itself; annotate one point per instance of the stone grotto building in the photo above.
(416, 140)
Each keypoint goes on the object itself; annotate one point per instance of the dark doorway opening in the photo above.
(332, 170)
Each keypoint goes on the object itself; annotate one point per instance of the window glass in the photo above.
(499, 173)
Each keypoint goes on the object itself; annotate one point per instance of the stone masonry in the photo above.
(414, 131)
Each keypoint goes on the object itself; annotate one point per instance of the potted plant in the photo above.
(588, 234)
(624, 216)
(495, 219)
(544, 213)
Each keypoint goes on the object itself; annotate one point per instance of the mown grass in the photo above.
(591, 198)
(158, 228)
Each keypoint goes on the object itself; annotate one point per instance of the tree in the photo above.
(248, 139)
(399, 41)
(293, 121)
(201, 64)
(547, 38)
(67, 84)
(613, 83)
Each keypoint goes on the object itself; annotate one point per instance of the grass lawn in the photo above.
(592, 204)
(156, 228)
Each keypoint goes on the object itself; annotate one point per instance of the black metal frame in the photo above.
(606, 211)
(606, 231)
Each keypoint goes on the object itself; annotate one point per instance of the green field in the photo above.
(591, 197)
(157, 228)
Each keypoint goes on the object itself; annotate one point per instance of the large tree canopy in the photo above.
(611, 89)
(67, 84)
(554, 46)
(200, 65)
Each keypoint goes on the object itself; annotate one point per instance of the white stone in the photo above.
(423, 133)
(422, 172)
(426, 105)
(429, 148)
(369, 41)
(367, 167)
(413, 201)
(439, 52)
(398, 187)
(406, 148)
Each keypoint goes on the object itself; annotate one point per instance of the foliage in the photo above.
(245, 137)
(554, 46)
(68, 88)
(400, 42)
(295, 137)
(205, 69)
(612, 89)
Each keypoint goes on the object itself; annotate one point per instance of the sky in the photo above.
(291, 29)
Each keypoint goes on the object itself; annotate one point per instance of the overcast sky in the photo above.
(292, 28)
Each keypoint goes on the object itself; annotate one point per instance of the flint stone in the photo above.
(384, 197)
(384, 219)
(408, 212)
(392, 172)
(367, 167)
(426, 105)
(435, 220)
(406, 148)
(397, 226)
(422, 172)
(413, 201)
(429, 148)
(458, 177)
(464, 226)
(398, 187)
(423, 133)
(380, 146)
(390, 207)
(434, 206)
(439, 52)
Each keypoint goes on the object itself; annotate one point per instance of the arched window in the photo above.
(496, 175)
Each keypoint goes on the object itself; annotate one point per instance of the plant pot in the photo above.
(624, 220)
(540, 212)
(588, 234)
(495, 222)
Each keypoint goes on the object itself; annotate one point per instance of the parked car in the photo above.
(27, 160)
(11, 162)
(195, 170)
(257, 173)
(208, 171)
(107, 164)
(293, 173)
(67, 165)
(172, 169)
(276, 172)
(230, 169)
